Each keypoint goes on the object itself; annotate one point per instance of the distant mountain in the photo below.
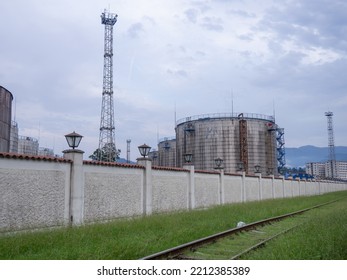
(123, 160)
(298, 157)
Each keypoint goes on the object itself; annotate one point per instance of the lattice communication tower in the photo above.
(331, 143)
(107, 146)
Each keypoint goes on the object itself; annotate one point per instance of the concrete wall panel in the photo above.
(206, 190)
(278, 188)
(288, 188)
(266, 188)
(232, 189)
(112, 193)
(252, 191)
(33, 194)
(170, 190)
(296, 188)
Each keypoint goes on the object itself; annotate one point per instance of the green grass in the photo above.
(138, 237)
(322, 237)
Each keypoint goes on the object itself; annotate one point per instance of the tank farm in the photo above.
(251, 143)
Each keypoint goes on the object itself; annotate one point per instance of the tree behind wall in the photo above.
(103, 154)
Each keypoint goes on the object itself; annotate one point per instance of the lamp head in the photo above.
(218, 162)
(144, 150)
(73, 139)
(188, 158)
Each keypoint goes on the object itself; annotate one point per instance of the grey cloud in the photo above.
(320, 23)
(212, 23)
(289, 75)
(242, 13)
(246, 37)
(149, 20)
(200, 53)
(177, 73)
(201, 5)
(135, 30)
(192, 15)
(197, 15)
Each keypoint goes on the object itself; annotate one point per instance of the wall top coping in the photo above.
(207, 172)
(33, 157)
(252, 175)
(233, 174)
(112, 164)
(167, 168)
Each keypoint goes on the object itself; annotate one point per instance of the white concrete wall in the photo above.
(266, 188)
(252, 189)
(33, 193)
(233, 189)
(112, 192)
(295, 187)
(324, 187)
(278, 188)
(206, 190)
(288, 188)
(36, 192)
(170, 190)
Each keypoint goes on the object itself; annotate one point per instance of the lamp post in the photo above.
(144, 150)
(218, 162)
(73, 139)
(76, 198)
(188, 157)
(257, 168)
(147, 178)
(240, 166)
(218, 165)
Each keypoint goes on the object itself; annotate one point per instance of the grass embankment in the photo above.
(138, 237)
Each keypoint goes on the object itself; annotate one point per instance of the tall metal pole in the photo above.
(107, 146)
(332, 158)
(128, 150)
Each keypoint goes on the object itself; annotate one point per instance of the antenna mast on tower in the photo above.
(332, 158)
(107, 147)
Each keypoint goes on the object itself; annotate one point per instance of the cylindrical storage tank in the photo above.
(242, 141)
(167, 152)
(5, 119)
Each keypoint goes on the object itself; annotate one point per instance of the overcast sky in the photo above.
(175, 58)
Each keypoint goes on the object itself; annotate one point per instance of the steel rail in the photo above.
(262, 243)
(178, 250)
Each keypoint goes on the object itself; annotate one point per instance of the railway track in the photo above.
(190, 250)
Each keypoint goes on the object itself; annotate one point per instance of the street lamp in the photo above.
(73, 139)
(240, 166)
(218, 162)
(188, 158)
(144, 150)
(257, 168)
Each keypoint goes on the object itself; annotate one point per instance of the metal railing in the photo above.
(226, 116)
